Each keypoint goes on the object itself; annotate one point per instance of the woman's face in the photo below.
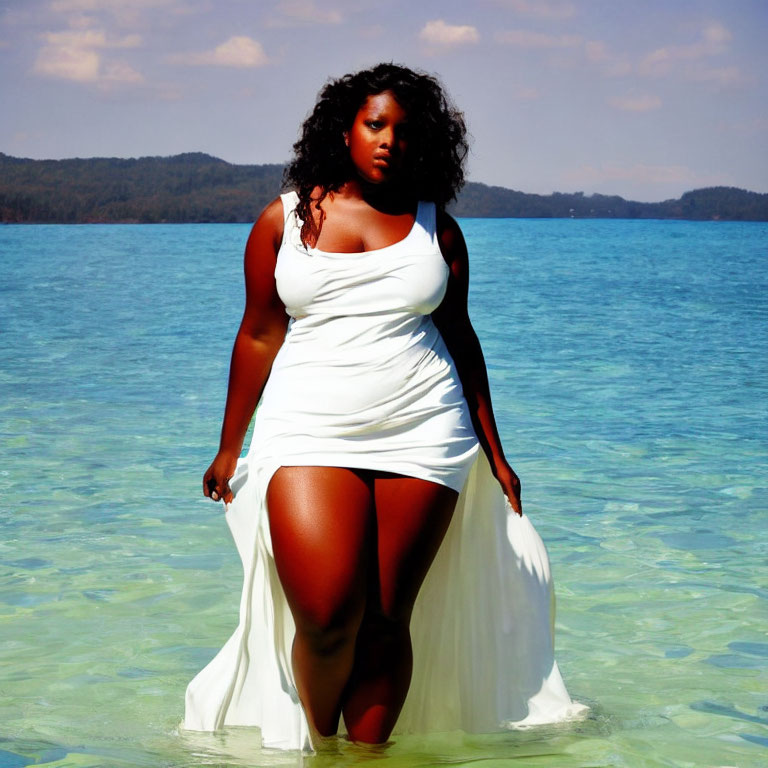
(378, 138)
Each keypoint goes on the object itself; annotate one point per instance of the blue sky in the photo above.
(644, 99)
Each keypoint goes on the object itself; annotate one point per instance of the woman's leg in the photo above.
(321, 523)
(412, 517)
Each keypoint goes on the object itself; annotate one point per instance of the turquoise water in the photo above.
(629, 368)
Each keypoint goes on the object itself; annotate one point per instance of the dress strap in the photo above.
(426, 218)
(290, 221)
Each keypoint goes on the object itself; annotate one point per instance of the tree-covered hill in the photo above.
(726, 203)
(182, 188)
(195, 187)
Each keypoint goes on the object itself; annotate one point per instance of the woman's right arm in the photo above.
(259, 337)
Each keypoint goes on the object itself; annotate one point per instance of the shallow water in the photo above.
(629, 369)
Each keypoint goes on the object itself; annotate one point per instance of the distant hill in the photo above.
(712, 203)
(183, 188)
(195, 187)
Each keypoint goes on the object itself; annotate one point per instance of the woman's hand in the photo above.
(510, 484)
(216, 478)
(260, 335)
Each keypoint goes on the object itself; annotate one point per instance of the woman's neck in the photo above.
(391, 198)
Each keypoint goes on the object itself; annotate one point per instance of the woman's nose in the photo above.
(387, 138)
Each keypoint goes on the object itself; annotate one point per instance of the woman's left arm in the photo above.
(452, 320)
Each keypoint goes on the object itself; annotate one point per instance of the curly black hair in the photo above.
(437, 139)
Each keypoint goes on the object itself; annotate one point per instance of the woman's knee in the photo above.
(326, 631)
(380, 626)
(327, 607)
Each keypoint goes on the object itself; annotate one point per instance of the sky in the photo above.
(643, 98)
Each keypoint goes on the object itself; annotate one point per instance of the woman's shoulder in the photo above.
(449, 233)
(273, 212)
(269, 226)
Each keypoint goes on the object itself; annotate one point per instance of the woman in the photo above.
(373, 402)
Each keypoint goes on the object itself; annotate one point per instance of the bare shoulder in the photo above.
(270, 221)
(262, 303)
(450, 237)
(267, 233)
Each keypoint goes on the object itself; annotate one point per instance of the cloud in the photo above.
(119, 72)
(21, 137)
(68, 6)
(81, 21)
(644, 102)
(609, 63)
(596, 50)
(89, 38)
(692, 61)
(293, 12)
(124, 12)
(721, 76)
(714, 40)
(523, 38)
(541, 9)
(716, 35)
(75, 55)
(66, 63)
(239, 51)
(438, 33)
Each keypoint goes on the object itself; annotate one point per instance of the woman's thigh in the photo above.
(321, 524)
(412, 516)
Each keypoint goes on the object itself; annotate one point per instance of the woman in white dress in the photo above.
(374, 395)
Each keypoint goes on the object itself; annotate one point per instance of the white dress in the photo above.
(364, 380)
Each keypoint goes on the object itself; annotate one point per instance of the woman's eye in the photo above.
(375, 124)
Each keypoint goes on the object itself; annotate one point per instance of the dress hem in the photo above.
(404, 469)
(482, 628)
